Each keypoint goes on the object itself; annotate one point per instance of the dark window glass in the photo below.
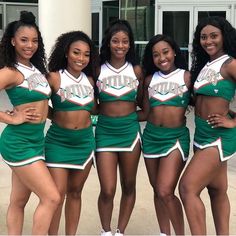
(176, 25)
(95, 28)
(140, 14)
(203, 14)
(110, 10)
(23, 1)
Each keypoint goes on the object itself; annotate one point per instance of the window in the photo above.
(1, 22)
(13, 12)
(141, 15)
(172, 20)
(203, 14)
(110, 10)
(22, 1)
(95, 28)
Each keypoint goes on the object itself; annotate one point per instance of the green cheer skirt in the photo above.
(22, 144)
(222, 138)
(161, 141)
(117, 134)
(67, 148)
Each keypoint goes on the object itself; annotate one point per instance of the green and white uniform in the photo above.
(169, 90)
(117, 133)
(211, 83)
(67, 148)
(23, 144)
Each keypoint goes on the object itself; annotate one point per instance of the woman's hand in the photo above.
(216, 120)
(26, 115)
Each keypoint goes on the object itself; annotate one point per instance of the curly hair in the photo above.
(58, 60)
(7, 50)
(147, 60)
(117, 26)
(199, 56)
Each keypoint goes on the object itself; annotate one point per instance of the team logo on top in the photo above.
(117, 85)
(164, 91)
(77, 93)
(37, 82)
(207, 76)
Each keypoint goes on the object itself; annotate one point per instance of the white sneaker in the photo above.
(162, 234)
(108, 233)
(118, 233)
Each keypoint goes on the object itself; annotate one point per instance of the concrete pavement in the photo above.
(143, 220)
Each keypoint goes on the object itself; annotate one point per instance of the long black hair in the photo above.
(58, 60)
(147, 61)
(199, 56)
(7, 50)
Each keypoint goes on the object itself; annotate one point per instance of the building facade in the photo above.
(147, 17)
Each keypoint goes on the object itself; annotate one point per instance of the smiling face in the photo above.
(163, 57)
(78, 57)
(211, 40)
(25, 42)
(119, 45)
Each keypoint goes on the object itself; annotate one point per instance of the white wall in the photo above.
(59, 16)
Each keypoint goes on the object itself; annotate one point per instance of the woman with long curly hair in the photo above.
(22, 75)
(214, 74)
(70, 143)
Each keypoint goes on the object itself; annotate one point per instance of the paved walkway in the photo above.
(143, 220)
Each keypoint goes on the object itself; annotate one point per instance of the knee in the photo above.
(128, 188)
(74, 193)
(165, 194)
(184, 190)
(54, 199)
(217, 192)
(107, 194)
(19, 202)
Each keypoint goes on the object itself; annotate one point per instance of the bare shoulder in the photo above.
(8, 77)
(54, 80)
(138, 72)
(187, 78)
(229, 68)
(91, 80)
(53, 75)
(147, 80)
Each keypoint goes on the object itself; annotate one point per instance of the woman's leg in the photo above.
(199, 173)
(152, 166)
(107, 173)
(19, 197)
(37, 178)
(128, 165)
(169, 171)
(220, 205)
(76, 181)
(60, 177)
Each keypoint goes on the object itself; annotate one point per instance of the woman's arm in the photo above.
(143, 114)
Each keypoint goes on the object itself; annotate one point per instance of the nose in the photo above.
(162, 57)
(80, 57)
(30, 44)
(208, 40)
(120, 45)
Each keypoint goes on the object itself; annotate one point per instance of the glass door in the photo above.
(110, 12)
(141, 15)
(176, 21)
(179, 22)
(1, 21)
(206, 11)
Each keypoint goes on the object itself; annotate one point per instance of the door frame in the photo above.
(193, 16)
